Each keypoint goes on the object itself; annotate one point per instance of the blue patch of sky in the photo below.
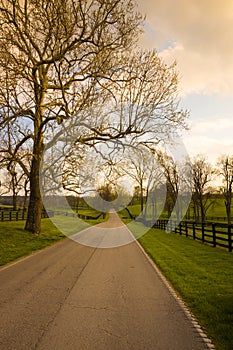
(151, 33)
(208, 105)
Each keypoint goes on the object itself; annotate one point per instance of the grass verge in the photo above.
(15, 242)
(202, 276)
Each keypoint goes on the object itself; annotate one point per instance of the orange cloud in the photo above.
(201, 33)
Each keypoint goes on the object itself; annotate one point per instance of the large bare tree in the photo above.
(54, 54)
(225, 170)
(15, 160)
(67, 70)
(201, 174)
(173, 182)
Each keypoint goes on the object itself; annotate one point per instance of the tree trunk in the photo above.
(25, 197)
(33, 223)
(14, 200)
(154, 215)
(14, 188)
(77, 204)
(202, 210)
(141, 197)
(228, 211)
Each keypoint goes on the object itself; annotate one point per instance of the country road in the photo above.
(71, 296)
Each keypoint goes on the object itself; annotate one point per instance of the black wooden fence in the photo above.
(81, 216)
(215, 234)
(17, 215)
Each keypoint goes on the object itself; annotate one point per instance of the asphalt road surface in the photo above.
(71, 296)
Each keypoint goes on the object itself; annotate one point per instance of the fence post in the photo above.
(2, 219)
(229, 239)
(214, 234)
(180, 226)
(10, 215)
(203, 231)
(194, 231)
(186, 229)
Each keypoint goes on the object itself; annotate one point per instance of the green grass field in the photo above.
(216, 210)
(15, 242)
(134, 210)
(202, 276)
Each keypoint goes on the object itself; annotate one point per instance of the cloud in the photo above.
(199, 35)
(211, 136)
(200, 72)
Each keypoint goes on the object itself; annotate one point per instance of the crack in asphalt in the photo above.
(61, 304)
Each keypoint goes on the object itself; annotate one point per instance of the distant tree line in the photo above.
(154, 174)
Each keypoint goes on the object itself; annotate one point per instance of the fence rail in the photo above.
(81, 216)
(215, 234)
(17, 215)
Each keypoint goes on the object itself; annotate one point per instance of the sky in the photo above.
(198, 34)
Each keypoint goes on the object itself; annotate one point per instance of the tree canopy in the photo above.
(70, 70)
